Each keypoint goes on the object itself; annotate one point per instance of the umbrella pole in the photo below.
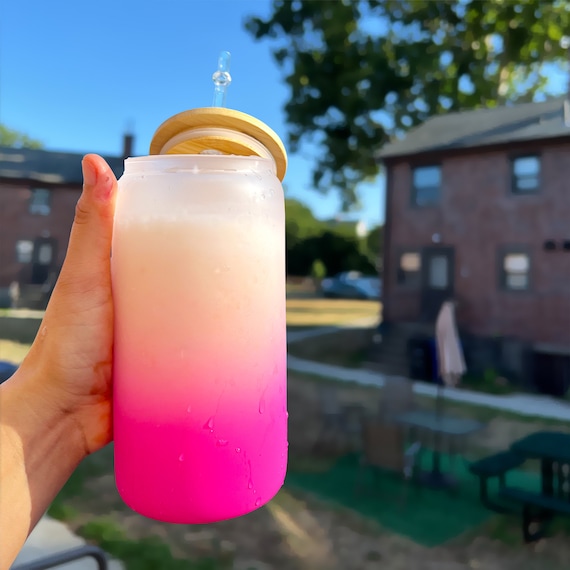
(439, 403)
(439, 400)
(435, 478)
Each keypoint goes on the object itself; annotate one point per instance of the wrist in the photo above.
(40, 423)
(39, 450)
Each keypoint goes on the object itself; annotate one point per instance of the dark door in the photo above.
(437, 279)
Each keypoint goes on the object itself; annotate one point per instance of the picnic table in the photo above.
(442, 426)
(552, 449)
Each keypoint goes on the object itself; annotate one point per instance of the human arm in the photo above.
(56, 409)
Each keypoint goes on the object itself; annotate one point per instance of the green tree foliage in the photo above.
(374, 247)
(318, 270)
(300, 223)
(13, 138)
(313, 246)
(361, 71)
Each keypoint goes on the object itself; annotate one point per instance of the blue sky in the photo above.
(76, 74)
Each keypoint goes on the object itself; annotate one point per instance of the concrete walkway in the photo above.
(525, 404)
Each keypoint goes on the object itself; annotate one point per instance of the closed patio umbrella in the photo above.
(450, 361)
(450, 367)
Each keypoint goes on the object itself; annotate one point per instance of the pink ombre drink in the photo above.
(200, 350)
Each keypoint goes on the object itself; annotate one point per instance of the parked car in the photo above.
(6, 370)
(351, 285)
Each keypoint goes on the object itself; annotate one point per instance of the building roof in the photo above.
(485, 127)
(47, 167)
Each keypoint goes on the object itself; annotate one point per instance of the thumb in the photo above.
(89, 249)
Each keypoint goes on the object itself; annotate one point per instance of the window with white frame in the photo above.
(526, 175)
(40, 201)
(409, 268)
(515, 271)
(24, 250)
(426, 185)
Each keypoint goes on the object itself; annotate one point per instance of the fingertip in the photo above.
(89, 171)
(98, 175)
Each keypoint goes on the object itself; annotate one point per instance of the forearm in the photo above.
(39, 449)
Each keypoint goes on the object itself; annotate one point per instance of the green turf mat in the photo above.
(427, 516)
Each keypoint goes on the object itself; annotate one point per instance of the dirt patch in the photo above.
(297, 532)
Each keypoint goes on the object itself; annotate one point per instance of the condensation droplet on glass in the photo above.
(250, 484)
(222, 442)
(286, 414)
(262, 405)
(209, 424)
(257, 502)
(217, 271)
(189, 408)
(181, 457)
(238, 449)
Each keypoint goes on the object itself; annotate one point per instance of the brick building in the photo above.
(478, 210)
(38, 193)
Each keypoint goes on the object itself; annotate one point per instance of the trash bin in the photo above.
(434, 374)
(552, 373)
(420, 358)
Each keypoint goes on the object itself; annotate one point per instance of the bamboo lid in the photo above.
(219, 129)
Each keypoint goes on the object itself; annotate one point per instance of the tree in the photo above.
(312, 243)
(362, 71)
(374, 246)
(300, 222)
(13, 138)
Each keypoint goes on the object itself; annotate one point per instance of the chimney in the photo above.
(128, 141)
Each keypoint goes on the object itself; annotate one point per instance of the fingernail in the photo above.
(89, 173)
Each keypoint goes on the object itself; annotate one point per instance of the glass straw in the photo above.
(222, 79)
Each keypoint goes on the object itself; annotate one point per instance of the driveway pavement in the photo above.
(51, 536)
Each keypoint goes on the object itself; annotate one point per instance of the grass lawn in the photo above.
(318, 312)
(349, 347)
(13, 351)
